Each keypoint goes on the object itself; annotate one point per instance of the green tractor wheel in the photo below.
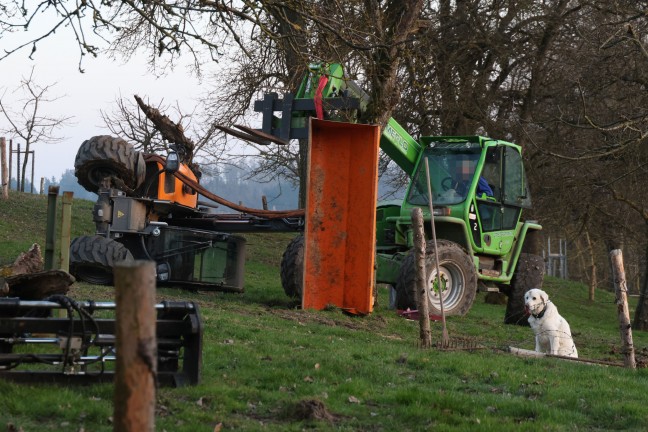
(457, 274)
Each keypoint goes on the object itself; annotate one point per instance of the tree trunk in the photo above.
(24, 167)
(621, 289)
(641, 313)
(425, 333)
(592, 279)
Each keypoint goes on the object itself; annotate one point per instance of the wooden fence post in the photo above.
(4, 176)
(621, 289)
(66, 226)
(136, 346)
(421, 279)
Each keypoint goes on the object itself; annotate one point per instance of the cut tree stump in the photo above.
(37, 286)
(26, 279)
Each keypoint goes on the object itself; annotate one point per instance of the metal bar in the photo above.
(267, 107)
(286, 117)
(167, 306)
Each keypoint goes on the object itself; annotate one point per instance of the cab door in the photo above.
(499, 214)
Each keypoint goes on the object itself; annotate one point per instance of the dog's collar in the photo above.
(542, 312)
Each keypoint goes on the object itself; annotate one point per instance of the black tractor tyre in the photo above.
(292, 267)
(106, 156)
(457, 271)
(529, 273)
(92, 258)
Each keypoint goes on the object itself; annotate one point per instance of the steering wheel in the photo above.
(446, 183)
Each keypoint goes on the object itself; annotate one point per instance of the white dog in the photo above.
(552, 332)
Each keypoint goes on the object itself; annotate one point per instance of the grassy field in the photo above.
(269, 366)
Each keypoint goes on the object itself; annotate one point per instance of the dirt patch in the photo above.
(641, 356)
(353, 323)
(312, 409)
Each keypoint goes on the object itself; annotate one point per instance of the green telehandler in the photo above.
(479, 191)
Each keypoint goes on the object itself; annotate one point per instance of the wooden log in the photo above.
(623, 313)
(136, 346)
(172, 132)
(530, 354)
(421, 294)
(38, 285)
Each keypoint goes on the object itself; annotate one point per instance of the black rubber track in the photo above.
(107, 156)
(92, 258)
(292, 267)
(453, 260)
(529, 273)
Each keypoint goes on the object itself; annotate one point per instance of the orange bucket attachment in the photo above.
(340, 232)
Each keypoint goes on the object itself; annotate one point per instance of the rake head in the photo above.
(458, 344)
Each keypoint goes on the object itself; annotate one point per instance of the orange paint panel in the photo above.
(340, 229)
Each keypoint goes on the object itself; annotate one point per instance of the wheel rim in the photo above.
(453, 283)
(97, 175)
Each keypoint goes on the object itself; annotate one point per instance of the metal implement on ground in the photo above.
(38, 346)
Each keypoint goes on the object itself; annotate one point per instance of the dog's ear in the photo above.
(544, 296)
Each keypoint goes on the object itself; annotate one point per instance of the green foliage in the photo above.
(265, 362)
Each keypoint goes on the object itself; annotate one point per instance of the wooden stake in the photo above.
(4, 174)
(136, 345)
(421, 279)
(621, 289)
(66, 226)
(444, 335)
(592, 281)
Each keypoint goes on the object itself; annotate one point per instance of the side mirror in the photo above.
(172, 162)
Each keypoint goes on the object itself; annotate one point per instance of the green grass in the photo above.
(263, 358)
(23, 222)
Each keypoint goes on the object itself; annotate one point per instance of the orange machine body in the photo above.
(170, 188)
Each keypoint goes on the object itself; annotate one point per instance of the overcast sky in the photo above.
(85, 94)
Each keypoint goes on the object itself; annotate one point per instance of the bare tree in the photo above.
(26, 119)
(127, 121)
